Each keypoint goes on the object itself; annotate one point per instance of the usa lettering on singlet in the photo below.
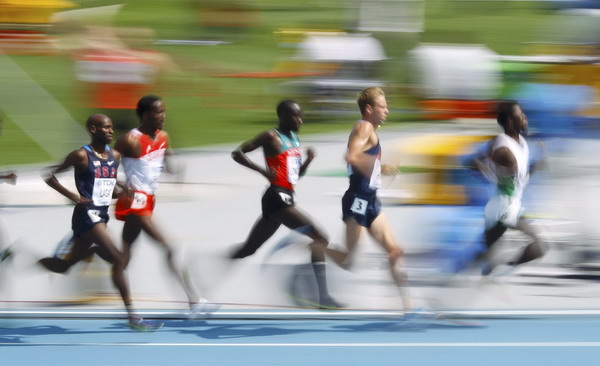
(287, 163)
(143, 173)
(98, 181)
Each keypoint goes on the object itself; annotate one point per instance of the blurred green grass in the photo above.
(206, 108)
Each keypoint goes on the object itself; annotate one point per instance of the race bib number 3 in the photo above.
(359, 206)
(140, 200)
(103, 190)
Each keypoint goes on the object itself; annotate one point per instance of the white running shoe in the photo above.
(202, 309)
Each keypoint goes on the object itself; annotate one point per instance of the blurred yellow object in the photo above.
(432, 159)
(23, 26)
(578, 63)
(295, 35)
(587, 74)
(31, 11)
(228, 14)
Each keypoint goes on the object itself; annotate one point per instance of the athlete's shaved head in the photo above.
(290, 115)
(287, 107)
(95, 120)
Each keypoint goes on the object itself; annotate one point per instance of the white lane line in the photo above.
(313, 313)
(405, 345)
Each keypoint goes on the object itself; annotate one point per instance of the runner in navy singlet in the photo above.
(95, 168)
(361, 208)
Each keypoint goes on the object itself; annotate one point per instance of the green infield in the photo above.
(208, 101)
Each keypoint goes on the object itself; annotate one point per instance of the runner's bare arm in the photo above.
(119, 187)
(264, 140)
(542, 161)
(357, 144)
(507, 164)
(170, 166)
(310, 155)
(128, 146)
(77, 159)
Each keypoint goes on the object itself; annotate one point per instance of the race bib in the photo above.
(103, 191)
(140, 200)
(293, 168)
(359, 206)
(155, 172)
(375, 182)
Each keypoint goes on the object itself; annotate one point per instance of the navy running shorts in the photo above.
(363, 207)
(85, 217)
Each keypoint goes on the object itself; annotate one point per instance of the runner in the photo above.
(281, 148)
(506, 163)
(145, 151)
(95, 168)
(361, 209)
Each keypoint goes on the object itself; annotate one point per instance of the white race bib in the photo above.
(293, 168)
(359, 206)
(375, 182)
(103, 191)
(140, 200)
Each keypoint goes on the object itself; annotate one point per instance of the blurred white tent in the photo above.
(469, 72)
(338, 68)
(347, 48)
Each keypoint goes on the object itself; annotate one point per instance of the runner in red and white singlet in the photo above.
(144, 152)
(143, 174)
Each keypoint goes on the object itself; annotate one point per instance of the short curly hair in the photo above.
(367, 97)
(145, 104)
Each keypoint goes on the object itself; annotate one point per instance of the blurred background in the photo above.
(221, 67)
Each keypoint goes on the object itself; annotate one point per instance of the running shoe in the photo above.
(328, 303)
(142, 325)
(487, 268)
(415, 319)
(418, 314)
(202, 309)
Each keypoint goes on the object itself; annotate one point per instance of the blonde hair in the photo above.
(367, 97)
